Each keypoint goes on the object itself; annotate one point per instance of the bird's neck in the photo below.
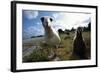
(48, 32)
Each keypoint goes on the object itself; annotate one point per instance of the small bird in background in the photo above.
(51, 36)
(79, 47)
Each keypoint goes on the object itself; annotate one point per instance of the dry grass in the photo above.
(64, 52)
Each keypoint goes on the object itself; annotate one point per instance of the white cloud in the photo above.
(31, 14)
(38, 23)
(32, 31)
(55, 15)
(69, 20)
(35, 31)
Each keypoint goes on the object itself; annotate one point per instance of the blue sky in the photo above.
(32, 25)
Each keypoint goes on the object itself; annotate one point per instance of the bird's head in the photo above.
(79, 32)
(46, 21)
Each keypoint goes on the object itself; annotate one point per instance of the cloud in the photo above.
(38, 23)
(30, 14)
(55, 15)
(58, 24)
(32, 31)
(88, 20)
(69, 20)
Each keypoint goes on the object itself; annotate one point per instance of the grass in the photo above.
(64, 52)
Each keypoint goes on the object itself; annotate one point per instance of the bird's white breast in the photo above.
(54, 39)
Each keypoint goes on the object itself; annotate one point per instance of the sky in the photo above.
(32, 25)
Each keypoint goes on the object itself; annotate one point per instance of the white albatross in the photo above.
(50, 38)
(51, 35)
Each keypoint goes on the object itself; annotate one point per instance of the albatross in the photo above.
(52, 37)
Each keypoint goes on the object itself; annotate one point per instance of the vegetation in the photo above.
(64, 52)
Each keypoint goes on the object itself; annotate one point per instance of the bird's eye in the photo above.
(42, 19)
(51, 19)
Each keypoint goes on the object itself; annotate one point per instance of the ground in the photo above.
(64, 52)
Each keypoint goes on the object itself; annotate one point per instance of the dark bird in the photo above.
(79, 47)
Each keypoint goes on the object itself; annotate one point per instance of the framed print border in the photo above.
(14, 34)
